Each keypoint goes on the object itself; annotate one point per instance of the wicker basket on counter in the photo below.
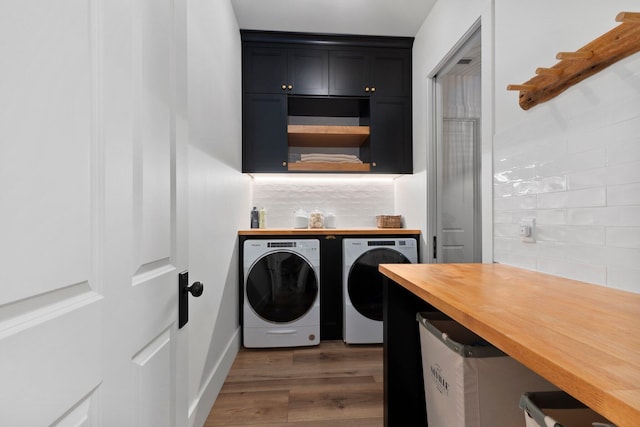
(389, 221)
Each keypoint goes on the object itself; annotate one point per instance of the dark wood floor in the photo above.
(333, 384)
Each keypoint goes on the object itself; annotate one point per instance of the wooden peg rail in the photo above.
(617, 44)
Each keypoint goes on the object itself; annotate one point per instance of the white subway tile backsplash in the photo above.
(515, 203)
(624, 278)
(551, 216)
(586, 160)
(623, 257)
(354, 202)
(627, 173)
(591, 254)
(588, 235)
(526, 187)
(587, 179)
(505, 230)
(601, 133)
(553, 184)
(623, 237)
(585, 195)
(503, 190)
(628, 194)
(592, 273)
(548, 249)
(575, 198)
(623, 150)
(554, 233)
(627, 216)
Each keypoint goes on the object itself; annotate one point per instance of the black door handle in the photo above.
(196, 289)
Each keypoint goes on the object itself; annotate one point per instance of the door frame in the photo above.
(434, 136)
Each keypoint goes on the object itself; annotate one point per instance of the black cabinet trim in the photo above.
(320, 39)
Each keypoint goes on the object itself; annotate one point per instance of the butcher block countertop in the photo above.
(324, 231)
(583, 338)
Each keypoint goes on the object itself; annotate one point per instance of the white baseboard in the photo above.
(201, 406)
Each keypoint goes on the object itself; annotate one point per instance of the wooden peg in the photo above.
(549, 71)
(574, 55)
(628, 17)
(523, 88)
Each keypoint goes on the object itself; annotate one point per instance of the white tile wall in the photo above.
(355, 201)
(574, 165)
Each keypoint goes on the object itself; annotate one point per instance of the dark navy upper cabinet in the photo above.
(327, 94)
(369, 72)
(289, 71)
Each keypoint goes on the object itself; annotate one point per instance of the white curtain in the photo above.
(461, 96)
(461, 112)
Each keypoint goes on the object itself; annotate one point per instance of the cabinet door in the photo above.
(391, 139)
(308, 72)
(264, 136)
(331, 304)
(391, 73)
(348, 72)
(264, 70)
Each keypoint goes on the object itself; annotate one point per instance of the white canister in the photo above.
(329, 220)
(300, 219)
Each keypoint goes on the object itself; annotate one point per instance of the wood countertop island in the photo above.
(583, 338)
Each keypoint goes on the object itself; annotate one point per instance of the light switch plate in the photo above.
(527, 230)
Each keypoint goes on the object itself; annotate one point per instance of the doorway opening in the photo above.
(455, 212)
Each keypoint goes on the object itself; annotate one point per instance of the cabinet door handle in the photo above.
(373, 89)
(366, 89)
(290, 87)
(374, 164)
(284, 86)
(284, 163)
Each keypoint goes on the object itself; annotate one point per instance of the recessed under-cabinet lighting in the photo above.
(320, 179)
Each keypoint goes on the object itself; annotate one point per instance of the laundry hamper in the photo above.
(468, 382)
(558, 409)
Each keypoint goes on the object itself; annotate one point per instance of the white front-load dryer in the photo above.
(362, 283)
(281, 303)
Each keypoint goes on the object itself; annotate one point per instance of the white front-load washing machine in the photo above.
(281, 303)
(362, 283)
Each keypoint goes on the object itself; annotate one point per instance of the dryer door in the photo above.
(281, 287)
(365, 281)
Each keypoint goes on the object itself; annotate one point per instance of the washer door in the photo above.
(281, 287)
(364, 284)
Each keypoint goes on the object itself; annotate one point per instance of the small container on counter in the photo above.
(254, 218)
(330, 220)
(300, 219)
(262, 218)
(316, 219)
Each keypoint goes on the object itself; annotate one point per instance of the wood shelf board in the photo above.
(327, 136)
(617, 44)
(328, 167)
(326, 231)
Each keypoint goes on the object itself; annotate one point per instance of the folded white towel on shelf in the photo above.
(335, 158)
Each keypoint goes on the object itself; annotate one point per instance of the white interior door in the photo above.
(90, 179)
(459, 195)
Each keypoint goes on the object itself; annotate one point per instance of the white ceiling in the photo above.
(361, 17)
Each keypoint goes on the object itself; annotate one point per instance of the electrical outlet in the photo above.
(527, 230)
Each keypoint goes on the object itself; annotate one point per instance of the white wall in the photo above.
(218, 197)
(573, 163)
